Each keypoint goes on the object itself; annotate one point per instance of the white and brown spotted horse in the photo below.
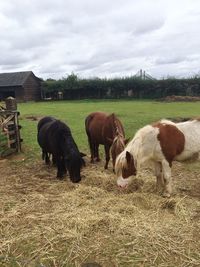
(160, 143)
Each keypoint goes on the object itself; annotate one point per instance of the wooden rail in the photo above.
(10, 128)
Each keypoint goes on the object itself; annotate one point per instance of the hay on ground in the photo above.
(47, 222)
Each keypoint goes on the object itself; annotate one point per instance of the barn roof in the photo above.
(14, 78)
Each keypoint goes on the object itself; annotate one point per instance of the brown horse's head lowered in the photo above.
(105, 129)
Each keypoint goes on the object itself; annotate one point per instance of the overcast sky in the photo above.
(100, 38)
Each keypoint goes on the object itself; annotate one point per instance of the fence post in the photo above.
(10, 124)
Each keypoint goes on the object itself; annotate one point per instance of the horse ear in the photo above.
(82, 155)
(128, 156)
(126, 140)
(112, 115)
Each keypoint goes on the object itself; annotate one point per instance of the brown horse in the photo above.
(107, 130)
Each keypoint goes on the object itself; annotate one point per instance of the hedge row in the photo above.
(74, 87)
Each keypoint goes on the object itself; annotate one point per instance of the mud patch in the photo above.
(33, 117)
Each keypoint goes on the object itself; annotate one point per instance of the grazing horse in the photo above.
(55, 137)
(105, 129)
(160, 143)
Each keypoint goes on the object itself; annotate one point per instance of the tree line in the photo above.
(73, 87)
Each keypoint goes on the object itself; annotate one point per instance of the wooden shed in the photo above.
(24, 86)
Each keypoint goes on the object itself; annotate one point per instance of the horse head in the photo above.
(74, 164)
(118, 141)
(125, 168)
(73, 159)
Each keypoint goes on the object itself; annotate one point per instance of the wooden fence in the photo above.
(10, 140)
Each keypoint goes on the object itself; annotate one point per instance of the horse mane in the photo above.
(121, 162)
(167, 121)
(116, 130)
(61, 128)
(64, 131)
(60, 125)
(135, 148)
(112, 119)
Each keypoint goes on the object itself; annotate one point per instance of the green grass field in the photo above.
(133, 114)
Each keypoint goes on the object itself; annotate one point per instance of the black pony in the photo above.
(54, 137)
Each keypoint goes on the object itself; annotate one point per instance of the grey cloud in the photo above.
(170, 60)
(13, 59)
(149, 26)
(101, 38)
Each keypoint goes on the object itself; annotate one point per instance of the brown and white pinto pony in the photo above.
(105, 129)
(160, 143)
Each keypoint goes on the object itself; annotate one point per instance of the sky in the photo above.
(100, 38)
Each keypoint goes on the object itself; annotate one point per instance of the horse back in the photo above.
(46, 137)
(44, 120)
(94, 124)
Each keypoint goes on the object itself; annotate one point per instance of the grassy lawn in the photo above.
(133, 114)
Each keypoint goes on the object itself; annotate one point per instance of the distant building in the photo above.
(24, 86)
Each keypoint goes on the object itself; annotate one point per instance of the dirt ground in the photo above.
(47, 222)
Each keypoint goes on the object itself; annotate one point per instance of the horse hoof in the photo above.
(60, 177)
(97, 159)
(167, 195)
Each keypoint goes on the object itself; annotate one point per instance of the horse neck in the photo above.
(70, 147)
(143, 145)
(135, 148)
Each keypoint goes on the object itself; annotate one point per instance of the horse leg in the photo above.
(113, 167)
(97, 152)
(159, 176)
(107, 153)
(45, 155)
(63, 168)
(92, 147)
(59, 168)
(53, 160)
(167, 178)
(113, 155)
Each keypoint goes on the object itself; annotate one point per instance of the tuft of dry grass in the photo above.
(47, 222)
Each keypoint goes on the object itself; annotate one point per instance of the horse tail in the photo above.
(88, 120)
(87, 123)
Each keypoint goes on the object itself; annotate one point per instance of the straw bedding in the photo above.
(47, 222)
